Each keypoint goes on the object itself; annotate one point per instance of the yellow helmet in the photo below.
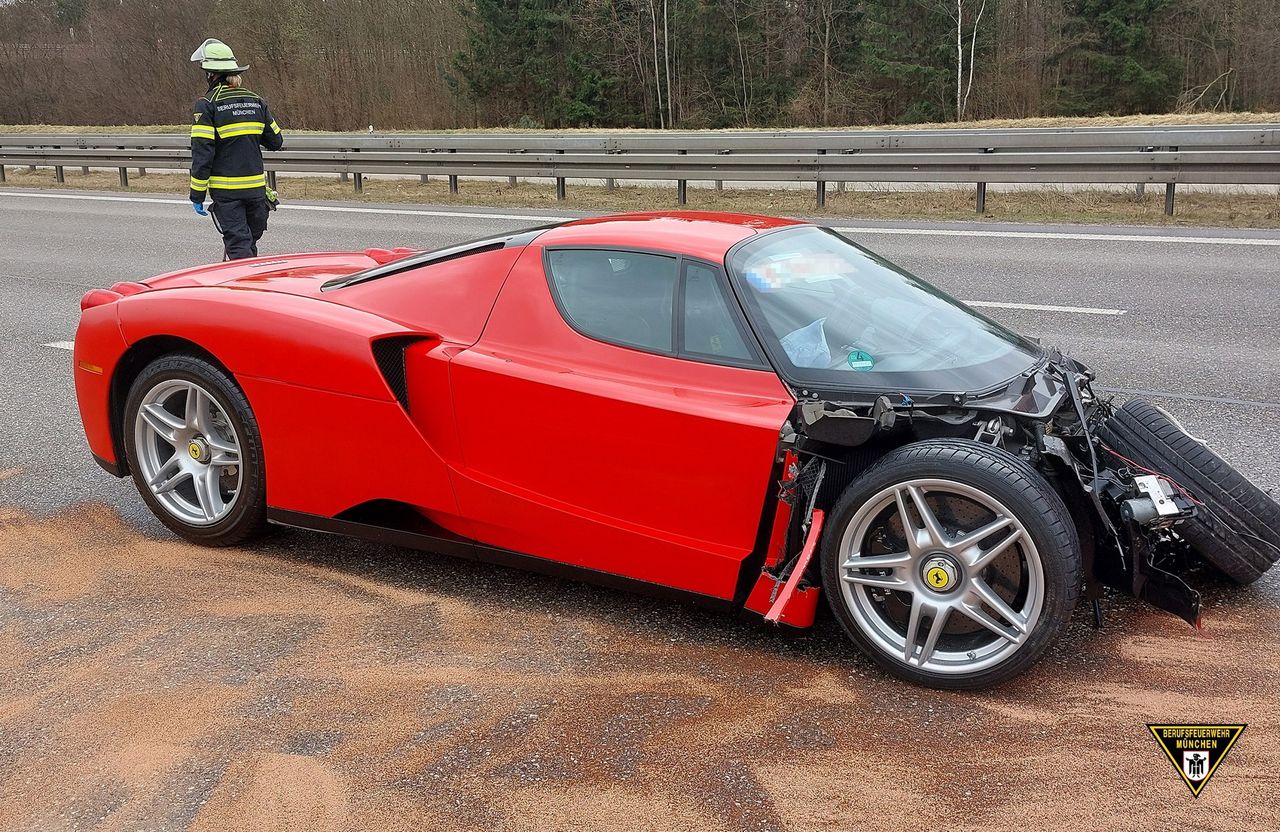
(215, 56)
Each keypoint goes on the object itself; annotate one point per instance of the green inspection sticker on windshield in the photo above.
(861, 361)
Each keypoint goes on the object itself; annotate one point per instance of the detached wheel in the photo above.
(952, 564)
(1237, 529)
(195, 451)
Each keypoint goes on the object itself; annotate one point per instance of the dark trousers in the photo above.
(242, 222)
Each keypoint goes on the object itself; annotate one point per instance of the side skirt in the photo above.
(402, 526)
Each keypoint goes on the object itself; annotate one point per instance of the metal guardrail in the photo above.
(1221, 154)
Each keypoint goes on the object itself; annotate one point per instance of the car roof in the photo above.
(705, 234)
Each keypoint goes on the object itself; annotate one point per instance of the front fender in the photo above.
(99, 345)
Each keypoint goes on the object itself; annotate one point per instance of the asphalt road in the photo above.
(148, 684)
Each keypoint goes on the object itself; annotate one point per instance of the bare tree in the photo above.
(657, 76)
(958, 17)
(973, 56)
(666, 59)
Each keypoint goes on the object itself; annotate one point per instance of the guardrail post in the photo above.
(423, 178)
(560, 194)
(124, 177)
(682, 185)
(1, 173)
(84, 170)
(982, 198)
(58, 175)
(31, 168)
(271, 179)
(357, 180)
(609, 184)
(821, 185)
(1140, 191)
(142, 171)
(344, 177)
(1168, 199)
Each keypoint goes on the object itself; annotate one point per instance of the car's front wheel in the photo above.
(951, 563)
(195, 451)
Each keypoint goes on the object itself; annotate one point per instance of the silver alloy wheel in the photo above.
(188, 452)
(948, 575)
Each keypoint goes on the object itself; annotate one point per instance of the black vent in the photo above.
(389, 354)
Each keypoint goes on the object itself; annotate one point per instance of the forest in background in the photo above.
(433, 64)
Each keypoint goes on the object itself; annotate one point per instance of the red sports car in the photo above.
(741, 410)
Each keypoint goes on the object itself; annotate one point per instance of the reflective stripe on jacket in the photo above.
(229, 128)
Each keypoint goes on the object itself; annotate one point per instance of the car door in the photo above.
(617, 415)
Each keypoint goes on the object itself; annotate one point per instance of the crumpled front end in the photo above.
(1128, 515)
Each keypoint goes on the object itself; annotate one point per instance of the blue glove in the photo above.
(198, 207)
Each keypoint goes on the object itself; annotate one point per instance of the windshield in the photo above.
(832, 313)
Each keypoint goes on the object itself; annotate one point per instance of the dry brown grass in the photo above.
(1041, 205)
(1166, 119)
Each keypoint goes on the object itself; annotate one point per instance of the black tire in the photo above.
(1014, 484)
(247, 518)
(1237, 530)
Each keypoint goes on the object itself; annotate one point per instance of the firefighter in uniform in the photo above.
(230, 126)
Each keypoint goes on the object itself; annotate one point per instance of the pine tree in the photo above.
(1118, 69)
(908, 60)
(523, 60)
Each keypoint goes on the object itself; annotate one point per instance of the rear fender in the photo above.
(326, 412)
(289, 339)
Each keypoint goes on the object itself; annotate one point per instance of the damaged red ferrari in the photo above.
(744, 411)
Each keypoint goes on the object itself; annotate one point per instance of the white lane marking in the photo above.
(62, 345)
(1063, 235)
(919, 232)
(463, 214)
(1040, 307)
(345, 209)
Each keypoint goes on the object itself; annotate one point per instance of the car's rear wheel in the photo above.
(1237, 526)
(195, 451)
(951, 563)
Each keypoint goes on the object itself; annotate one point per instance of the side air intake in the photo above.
(389, 355)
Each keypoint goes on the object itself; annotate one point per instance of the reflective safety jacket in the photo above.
(229, 128)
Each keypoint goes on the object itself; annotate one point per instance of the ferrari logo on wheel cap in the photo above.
(195, 450)
(940, 573)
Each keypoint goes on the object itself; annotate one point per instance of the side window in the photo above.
(621, 296)
(710, 328)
